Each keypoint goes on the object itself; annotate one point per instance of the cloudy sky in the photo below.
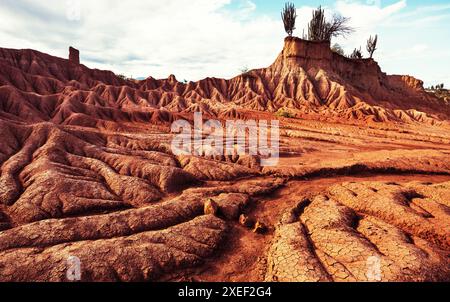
(199, 38)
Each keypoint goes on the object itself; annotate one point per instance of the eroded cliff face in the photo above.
(357, 88)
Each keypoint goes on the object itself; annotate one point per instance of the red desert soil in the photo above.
(87, 171)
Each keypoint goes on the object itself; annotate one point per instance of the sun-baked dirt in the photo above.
(361, 192)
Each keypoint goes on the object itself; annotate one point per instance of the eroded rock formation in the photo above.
(74, 56)
(307, 78)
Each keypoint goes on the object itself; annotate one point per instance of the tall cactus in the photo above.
(372, 45)
(289, 15)
(317, 26)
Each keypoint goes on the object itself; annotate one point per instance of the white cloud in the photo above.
(422, 16)
(246, 7)
(191, 39)
(419, 48)
(367, 16)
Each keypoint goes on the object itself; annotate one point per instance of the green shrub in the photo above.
(285, 114)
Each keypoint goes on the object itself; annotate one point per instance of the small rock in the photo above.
(245, 221)
(74, 56)
(34, 236)
(288, 218)
(211, 207)
(232, 205)
(260, 228)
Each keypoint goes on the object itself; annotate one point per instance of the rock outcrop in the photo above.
(74, 56)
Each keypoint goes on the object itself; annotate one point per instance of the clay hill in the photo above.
(361, 193)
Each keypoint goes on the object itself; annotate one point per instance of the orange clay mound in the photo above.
(86, 171)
